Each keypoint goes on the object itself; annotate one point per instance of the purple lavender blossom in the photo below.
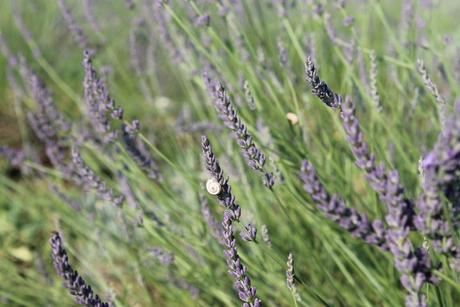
(138, 51)
(319, 88)
(139, 153)
(72, 203)
(77, 286)
(162, 255)
(349, 21)
(387, 184)
(429, 84)
(92, 181)
(414, 264)
(254, 157)
(356, 223)
(88, 6)
(25, 32)
(225, 196)
(282, 52)
(248, 95)
(440, 177)
(249, 233)
(78, 34)
(162, 20)
(15, 157)
(213, 224)
(99, 102)
(246, 292)
(43, 97)
(203, 21)
(129, 4)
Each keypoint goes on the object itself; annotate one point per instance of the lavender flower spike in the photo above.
(373, 81)
(290, 277)
(236, 268)
(440, 177)
(98, 100)
(429, 84)
(388, 185)
(225, 196)
(79, 35)
(414, 264)
(253, 155)
(246, 292)
(249, 233)
(213, 224)
(350, 219)
(92, 181)
(139, 153)
(319, 88)
(77, 286)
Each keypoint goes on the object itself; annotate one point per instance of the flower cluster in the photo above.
(78, 34)
(413, 263)
(246, 292)
(319, 88)
(350, 219)
(139, 153)
(92, 181)
(77, 286)
(255, 158)
(98, 100)
(440, 177)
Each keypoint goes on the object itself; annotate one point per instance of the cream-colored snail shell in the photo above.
(213, 187)
(292, 117)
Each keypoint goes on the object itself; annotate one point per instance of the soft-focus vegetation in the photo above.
(153, 57)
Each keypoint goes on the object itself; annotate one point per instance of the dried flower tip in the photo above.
(373, 80)
(266, 236)
(429, 84)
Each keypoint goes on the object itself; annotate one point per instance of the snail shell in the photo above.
(213, 187)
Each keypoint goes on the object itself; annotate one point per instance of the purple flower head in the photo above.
(254, 157)
(77, 286)
(440, 168)
(77, 32)
(90, 180)
(356, 223)
(249, 233)
(138, 152)
(236, 269)
(99, 102)
(225, 196)
(319, 88)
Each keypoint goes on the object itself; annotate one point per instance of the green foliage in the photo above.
(104, 242)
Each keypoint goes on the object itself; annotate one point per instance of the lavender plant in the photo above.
(255, 158)
(77, 286)
(165, 246)
(440, 168)
(414, 263)
(246, 292)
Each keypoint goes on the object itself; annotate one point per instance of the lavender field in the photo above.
(229, 153)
